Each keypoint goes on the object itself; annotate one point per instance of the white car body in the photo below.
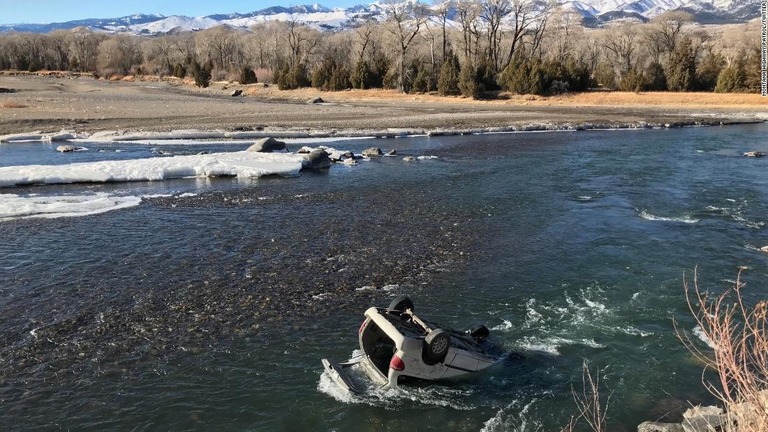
(397, 343)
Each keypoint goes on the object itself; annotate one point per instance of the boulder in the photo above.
(705, 423)
(236, 93)
(764, 249)
(409, 159)
(316, 160)
(372, 152)
(392, 152)
(659, 427)
(7, 90)
(305, 150)
(336, 156)
(267, 145)
(699, 411)
(317, 100)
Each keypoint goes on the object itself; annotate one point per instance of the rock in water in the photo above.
(236, 93)
(316, 100)
(764, 249)
(67, 148)
(316, 159)
(267, 145)
(372, 152)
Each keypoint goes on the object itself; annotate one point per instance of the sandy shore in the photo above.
(83, 104)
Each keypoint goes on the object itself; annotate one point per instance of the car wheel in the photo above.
(479, 332)
(400, 304)
(437, 343)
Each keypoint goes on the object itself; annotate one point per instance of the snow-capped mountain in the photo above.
(594, 12)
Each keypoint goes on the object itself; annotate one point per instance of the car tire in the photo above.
(436, 346)
(479, 332)
(400, 304)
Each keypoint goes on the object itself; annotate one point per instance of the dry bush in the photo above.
(12, 104)
(263, 75)
(738, 335)
(591, 408)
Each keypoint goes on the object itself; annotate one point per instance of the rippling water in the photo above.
(213, 310)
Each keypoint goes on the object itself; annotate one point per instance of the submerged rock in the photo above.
(659, 427)
(267, 145)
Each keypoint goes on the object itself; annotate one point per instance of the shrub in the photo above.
(248, 76)
(605, 76)
(292, 77)
(330, 75)
(632, 81)
(179, 71)
(738, 333)
(524, 77)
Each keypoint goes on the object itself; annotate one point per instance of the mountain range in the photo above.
(594, 12)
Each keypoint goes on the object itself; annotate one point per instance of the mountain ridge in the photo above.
(594, 12)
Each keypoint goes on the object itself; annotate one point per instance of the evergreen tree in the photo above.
(708, 71)
(201, 74)
(681, 68)
(524, 77)
(470, 84)
(731, 79)
(655, 78)
(448, 83)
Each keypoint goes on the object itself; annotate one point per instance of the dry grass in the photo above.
(11, 104)
(739, 335)
(595, 98)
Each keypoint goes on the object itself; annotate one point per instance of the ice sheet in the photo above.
(238, 164)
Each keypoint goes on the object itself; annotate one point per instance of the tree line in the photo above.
(460, 47)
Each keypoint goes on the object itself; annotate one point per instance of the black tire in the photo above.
(436, 346)
(479, 332)
(400, 304)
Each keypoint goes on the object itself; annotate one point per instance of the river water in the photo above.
(211, 304)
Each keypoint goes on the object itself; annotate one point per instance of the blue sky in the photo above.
(48, 11)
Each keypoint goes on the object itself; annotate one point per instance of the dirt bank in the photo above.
(54, 102)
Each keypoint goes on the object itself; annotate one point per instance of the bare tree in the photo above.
(119, 54)
(662, 34)
(620, 46)
(404, 22)
(493, 12)
(468, 12)
(84, 49)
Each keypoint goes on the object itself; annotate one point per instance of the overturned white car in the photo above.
(395, 344)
